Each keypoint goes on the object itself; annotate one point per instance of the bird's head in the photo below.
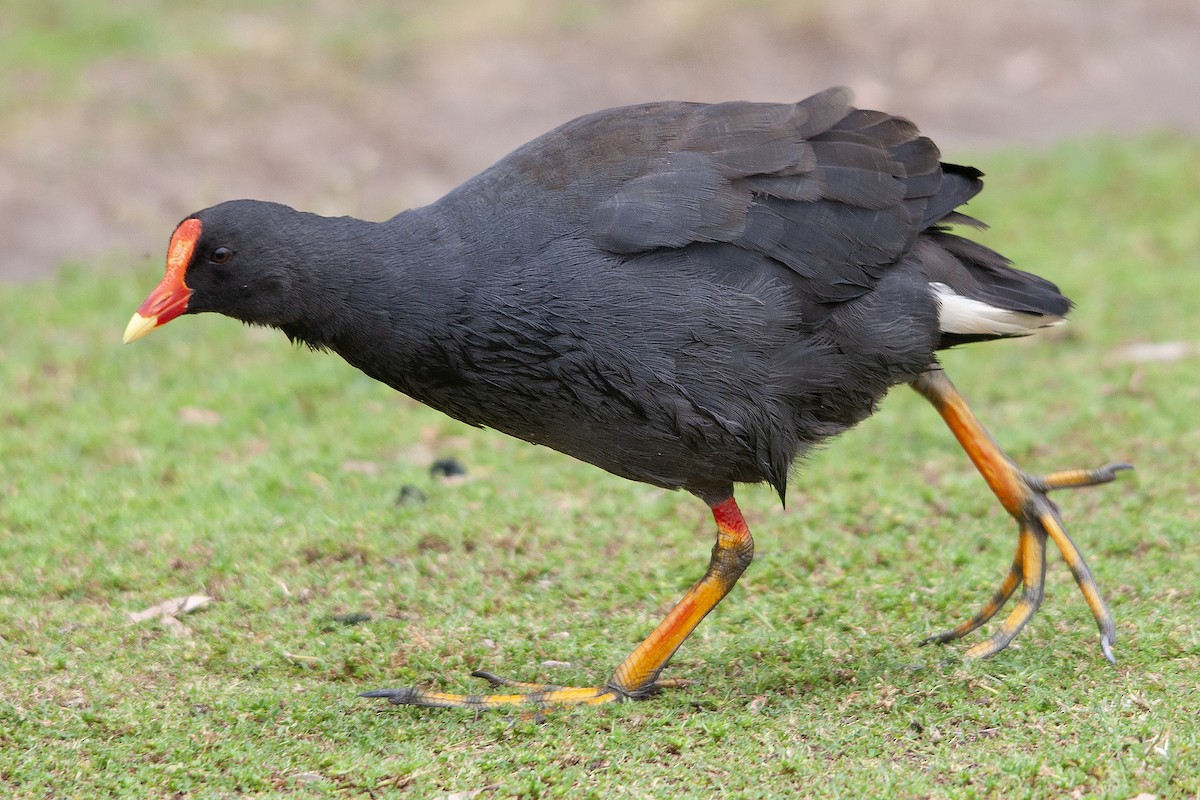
(234, 258)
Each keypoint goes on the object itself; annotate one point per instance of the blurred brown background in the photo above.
(117, 121)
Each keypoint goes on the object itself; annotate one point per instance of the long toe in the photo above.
(1011, 581)
(1033, 576)
(1076, 478)
(529, 696)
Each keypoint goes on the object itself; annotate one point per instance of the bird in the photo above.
(683, 294)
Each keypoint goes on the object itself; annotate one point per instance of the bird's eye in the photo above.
(221, 255)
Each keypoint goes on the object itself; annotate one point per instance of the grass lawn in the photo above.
(215, 459)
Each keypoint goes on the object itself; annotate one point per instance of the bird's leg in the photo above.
(1024, 498)
(637, 677)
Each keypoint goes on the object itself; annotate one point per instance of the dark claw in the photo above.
(494, 680)
(1109, 471)
(1106, 646)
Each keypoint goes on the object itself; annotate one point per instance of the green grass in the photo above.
(215, 459)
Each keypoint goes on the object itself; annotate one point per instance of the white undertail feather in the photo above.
(959, 314)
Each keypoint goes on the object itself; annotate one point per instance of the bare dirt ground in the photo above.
(390, 120)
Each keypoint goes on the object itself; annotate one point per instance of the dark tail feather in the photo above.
(959, 184)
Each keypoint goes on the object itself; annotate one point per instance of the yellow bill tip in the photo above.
(138, 327)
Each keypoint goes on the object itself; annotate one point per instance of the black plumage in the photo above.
(686, 295)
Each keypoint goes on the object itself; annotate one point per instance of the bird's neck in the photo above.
(380, 294)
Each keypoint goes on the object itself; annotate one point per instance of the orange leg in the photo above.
(637, 677)
(1024, 498)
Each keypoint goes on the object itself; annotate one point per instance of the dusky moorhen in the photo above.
(683, 294)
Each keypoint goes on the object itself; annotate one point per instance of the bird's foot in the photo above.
(527, 696)
(1024, 497)
(1037, 518)
(638, 675)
